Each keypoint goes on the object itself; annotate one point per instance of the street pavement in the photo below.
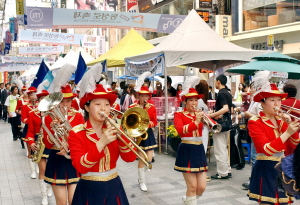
(165, 186)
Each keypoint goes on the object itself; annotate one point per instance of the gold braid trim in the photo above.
(99, 178)
(191, 142)
(61, 181)
(270, 199)
(268, 158)
(149, 147)
(191, 169)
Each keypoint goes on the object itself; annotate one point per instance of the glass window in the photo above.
(265, 14)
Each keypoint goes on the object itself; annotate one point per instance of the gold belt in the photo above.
(271, 158)
(100, 178)
(191, 142)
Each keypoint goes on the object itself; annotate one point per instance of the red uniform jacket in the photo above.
(116, 106)
(85, 155)
(266, 137)
(34, 125)
(150, 108)
(26, 108)
(75, 104)
(185, 124)
(20, 103)
(75, 118)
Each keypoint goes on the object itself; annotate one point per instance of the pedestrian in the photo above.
(148, 144)
(33, 133)
(130, 97)
(158, 92)
(4, 94)
(60, 173)
(113, 86)
(270, 135)
(1, 103)
(191, 158)
(95, 149)
(14, 119)
(222, 115)
(171, 91)
(239, 92)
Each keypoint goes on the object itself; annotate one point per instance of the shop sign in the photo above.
(39, 18)
(204, 14)
(33, 36)
(90, 41)
(154, 2)
(132, 6)
(63, 4)
(41, 50)
(223, 25)
(207, 4)
(264, 46)
(149, 5)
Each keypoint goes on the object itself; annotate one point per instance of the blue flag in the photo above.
(81, 69)
(49, 77)
(104, 66)
(39, 77)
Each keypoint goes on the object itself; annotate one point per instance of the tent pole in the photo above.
(166, 111)
(214, 73)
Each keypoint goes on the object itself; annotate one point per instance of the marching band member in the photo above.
(270, 135)
(59, 170)
(191, 159)
(95, 151)
(26, 108)
(95, 148)
(149, 144)
(34, 129)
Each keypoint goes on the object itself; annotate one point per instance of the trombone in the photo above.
(134, 122)
(280, 109)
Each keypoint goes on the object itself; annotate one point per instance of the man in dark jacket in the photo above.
(4, 94)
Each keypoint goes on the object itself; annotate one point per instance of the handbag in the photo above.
(225, 122)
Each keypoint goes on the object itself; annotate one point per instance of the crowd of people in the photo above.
(82, 145)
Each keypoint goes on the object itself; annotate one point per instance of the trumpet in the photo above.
(49, 105)
(286, 112)
(134, 122)
(210, 123)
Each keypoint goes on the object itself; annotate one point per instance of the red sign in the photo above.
(5, 77)
(132, 6)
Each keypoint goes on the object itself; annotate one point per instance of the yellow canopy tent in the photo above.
(130, 45)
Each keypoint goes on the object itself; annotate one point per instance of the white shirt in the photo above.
(7, 103)
(255, 108)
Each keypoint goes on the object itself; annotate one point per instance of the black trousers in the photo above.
(4, 116)
(15, 122)
(1, 110)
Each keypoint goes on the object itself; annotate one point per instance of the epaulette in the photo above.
(254, 118)
(78, 128)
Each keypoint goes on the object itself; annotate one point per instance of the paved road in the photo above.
(165, 186)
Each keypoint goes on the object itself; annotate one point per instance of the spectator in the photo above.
(124, 93)
(4, 94)
(158, 92)
(210, 95)
(178, 91)
(129, 98)
(148, 82)
(122, 85)
(1, 104)
(113, 86)
(222, 114)
(238, 94)
(171, 90)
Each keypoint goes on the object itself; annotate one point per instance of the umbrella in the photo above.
(272, 62)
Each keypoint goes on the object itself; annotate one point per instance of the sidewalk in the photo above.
(165, 186)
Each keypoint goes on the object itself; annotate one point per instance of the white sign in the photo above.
(101, 46)
(90, 41)
(50, 37)
(277, 74)
(9, 59)
(41, 50)
(136, 68)
(14, 68)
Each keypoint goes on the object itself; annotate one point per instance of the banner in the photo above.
(8, 59)
(90, 41)
(50, 37)
(136, 68)
(41, 50)
(101, 46)
(39, 17)
(14, 68)
(132, 6)
(20, 12)
(59, 18)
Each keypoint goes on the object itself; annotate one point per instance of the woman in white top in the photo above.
(130, 97)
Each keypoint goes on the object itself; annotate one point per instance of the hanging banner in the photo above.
(20, 12)
(50, 37)
(90, 41)
(41, 50)
(39, 17)
(8, 59)
(136, 68)
(132, 6)
(14, 68)
(101, 49)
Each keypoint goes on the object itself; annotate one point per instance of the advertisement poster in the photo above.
(39, 17)
(41, 50)
(132, 6)
(50, 37)
(90, 41)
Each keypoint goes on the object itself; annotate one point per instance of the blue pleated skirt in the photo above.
(191, 158)
(59, 170)
(263, 187)
(150, 142)
(100, 193)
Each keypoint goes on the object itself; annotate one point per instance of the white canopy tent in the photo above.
(195, 44)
